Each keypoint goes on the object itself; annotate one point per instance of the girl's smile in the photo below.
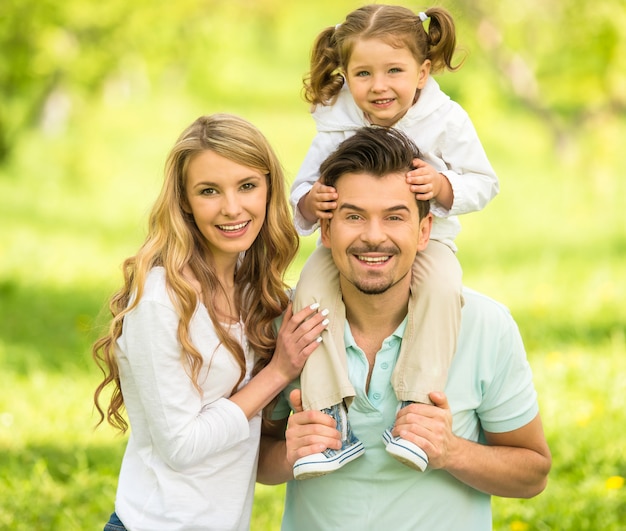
(384, 80)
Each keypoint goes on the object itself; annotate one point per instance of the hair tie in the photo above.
(337, 26)
(423, 16)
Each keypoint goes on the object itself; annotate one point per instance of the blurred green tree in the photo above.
(56, 53)
(563, 61)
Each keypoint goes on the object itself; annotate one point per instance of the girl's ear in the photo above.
(423, 74)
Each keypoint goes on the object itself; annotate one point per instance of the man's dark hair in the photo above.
(377, 151)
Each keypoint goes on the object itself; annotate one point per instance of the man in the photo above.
(483, 433)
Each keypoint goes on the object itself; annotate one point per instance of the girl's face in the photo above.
(384, 81)
(228, 202)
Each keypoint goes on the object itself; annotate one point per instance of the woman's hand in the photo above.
(298, 336)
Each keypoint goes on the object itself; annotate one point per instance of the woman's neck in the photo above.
(222, 299)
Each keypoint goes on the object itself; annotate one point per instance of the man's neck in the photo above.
(373, 318)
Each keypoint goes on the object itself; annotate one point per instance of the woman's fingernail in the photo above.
(325, 322)
(315, 306)
(319, 339)
(325, 312)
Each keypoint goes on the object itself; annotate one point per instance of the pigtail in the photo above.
(324, 81)
(441, 40)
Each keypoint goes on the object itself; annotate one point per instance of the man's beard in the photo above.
(372, 290)
(379, 285)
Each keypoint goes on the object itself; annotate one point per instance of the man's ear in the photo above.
(325, 232)
(426, 224)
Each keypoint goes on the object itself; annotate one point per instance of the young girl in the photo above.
(191, 351)
(374, 69)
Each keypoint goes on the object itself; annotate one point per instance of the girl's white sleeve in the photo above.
(182, 429)
(473, 180)
(323, 145)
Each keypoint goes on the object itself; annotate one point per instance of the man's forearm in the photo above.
(501, 468)
(502, 471)
(273, 466)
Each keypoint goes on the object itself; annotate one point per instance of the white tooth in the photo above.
(232, 227)
(373, 260)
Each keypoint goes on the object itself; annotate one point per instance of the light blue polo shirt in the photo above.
(489, 385)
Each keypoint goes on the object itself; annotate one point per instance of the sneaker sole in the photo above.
(325, 466)
(405, 455)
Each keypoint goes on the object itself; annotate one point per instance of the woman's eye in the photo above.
(208, 191)
(248, 186)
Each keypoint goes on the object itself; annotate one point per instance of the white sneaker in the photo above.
(406, 452)
(330, 460)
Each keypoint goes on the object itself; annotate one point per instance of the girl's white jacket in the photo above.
(442, 131)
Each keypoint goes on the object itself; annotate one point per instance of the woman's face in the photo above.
(228, 202)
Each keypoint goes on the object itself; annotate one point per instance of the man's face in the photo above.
(375, 231)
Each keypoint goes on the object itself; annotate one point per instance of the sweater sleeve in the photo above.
(474, 181)
(162, 402)
(323, 145)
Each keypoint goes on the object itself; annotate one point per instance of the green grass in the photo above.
(552, 247)
(58, 473)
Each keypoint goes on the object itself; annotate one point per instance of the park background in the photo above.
(93, 95)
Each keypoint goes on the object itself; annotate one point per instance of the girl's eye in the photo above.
(363, 73)
(395, 70)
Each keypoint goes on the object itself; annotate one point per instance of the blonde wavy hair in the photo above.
(175, 243)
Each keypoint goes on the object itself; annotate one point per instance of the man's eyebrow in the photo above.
(356, 208)
(349, 206)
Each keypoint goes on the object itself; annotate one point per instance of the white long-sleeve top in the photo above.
(190, 463)
(442, 131)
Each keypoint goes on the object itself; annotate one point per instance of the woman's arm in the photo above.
(163, 404)
(298, 336)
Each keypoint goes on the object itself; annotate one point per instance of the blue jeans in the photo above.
(114, 524)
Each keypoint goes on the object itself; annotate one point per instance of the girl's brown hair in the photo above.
(395, 25)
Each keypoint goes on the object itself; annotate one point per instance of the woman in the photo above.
(192, 351)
